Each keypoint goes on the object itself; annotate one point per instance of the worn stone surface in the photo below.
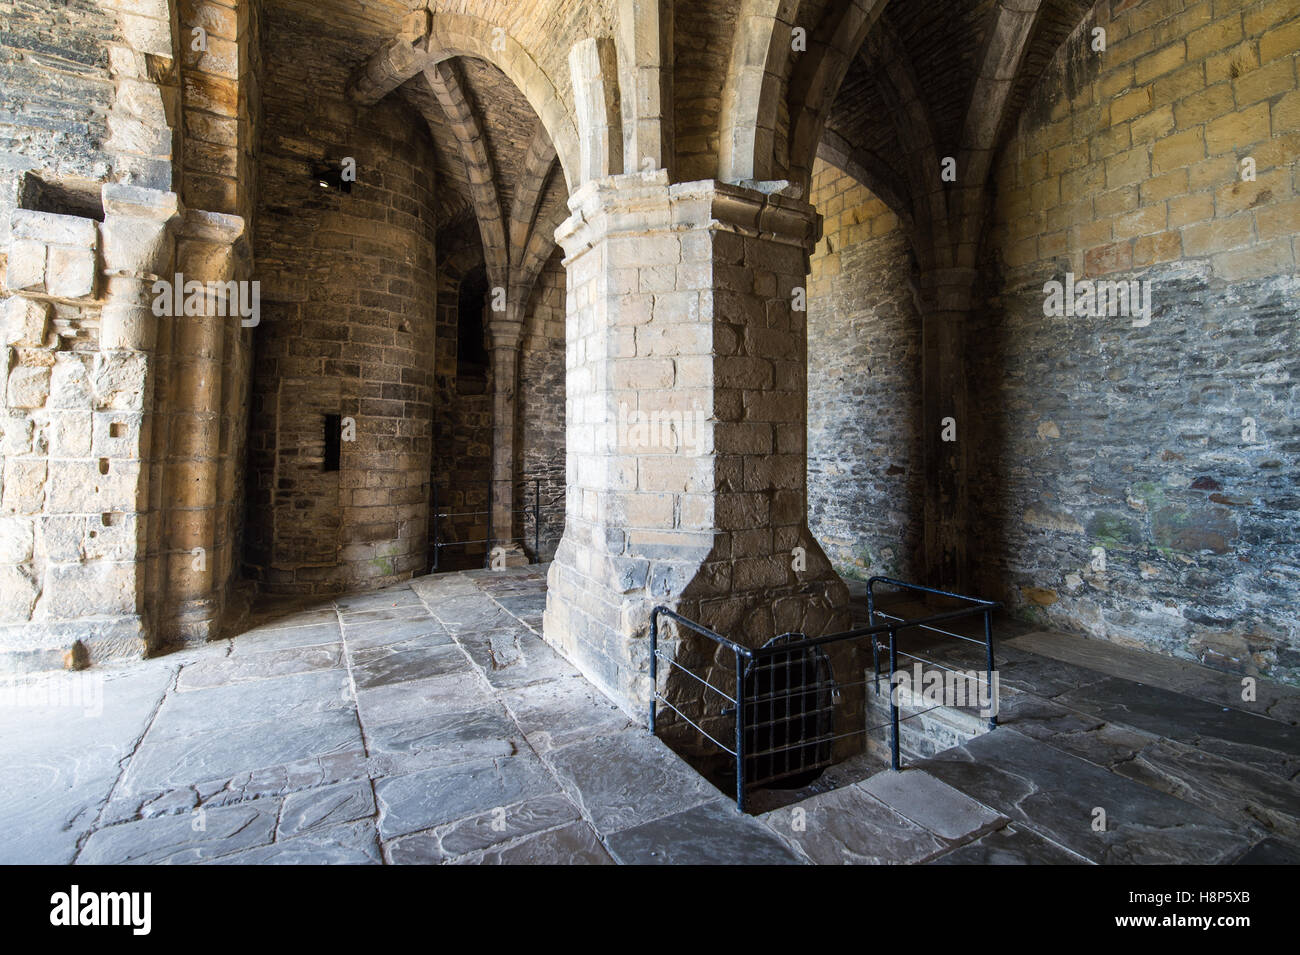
(1009, 845)
(186, 838)
(423, 800)
(353, 844)
(1056, 795)
(316, 809)
(547, 770)
(714, 833)
(574, 844)
(927, 802)
(849, 827)
(1274, 700)
(627, 779)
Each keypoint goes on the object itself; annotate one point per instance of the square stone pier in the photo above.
(686, 420)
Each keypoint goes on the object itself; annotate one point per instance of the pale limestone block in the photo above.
(28, 386)
(27, 322)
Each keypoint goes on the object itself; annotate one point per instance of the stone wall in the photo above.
(349, 290)
(540, 422)
(462, 446)
(864, 395)
(1136, 481)
(85, 176)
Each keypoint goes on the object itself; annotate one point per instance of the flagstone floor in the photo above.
(429, 723)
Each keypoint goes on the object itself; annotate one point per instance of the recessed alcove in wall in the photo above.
(64, 196)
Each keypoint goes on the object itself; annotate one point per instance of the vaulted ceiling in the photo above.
(936, 48)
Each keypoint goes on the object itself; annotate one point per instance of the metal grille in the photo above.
(782, 713)
(790, 698)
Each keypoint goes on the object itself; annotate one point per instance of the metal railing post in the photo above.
(654, 666)
(988, 673)
(435, 525)
(893, 698)
(487, 546)
(875, 644)
(740, 731)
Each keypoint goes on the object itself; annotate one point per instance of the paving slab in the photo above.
(325, 807)
(356, 843)
(424, 631)
(381, 666)
(287, 637)
(1081, 734)
(574, 844)
(626, 779)
(515, 657)
(1272, 852)
(1255, 740)
(192, 837)
(1009, 846)
(1055, 795)
(166, 761)
(389, 599)
(563, 710)
(849, 827)
(273, 617)
(395, 702)
(1272, 699)
(213, 709)
(931, 804)
(287, 778)
(425, 799)
(714, 833)
(483, 831)
(267, 664)
(1245, 794)
(443, 738)
(63, 738)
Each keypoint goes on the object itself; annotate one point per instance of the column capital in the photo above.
(647, 202)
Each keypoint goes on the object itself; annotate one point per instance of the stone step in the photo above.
(924, 729)
(1273, 700)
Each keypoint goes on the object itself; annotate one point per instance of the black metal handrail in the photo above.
(790, 644)
(437, 544)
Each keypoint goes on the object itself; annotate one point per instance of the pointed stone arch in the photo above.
(818, 75)
(430, 38)
(760, 59)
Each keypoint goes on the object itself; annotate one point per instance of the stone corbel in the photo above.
(212, 246)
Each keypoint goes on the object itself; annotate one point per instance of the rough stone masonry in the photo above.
(485, 233)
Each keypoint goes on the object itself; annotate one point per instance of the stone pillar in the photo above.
(137, 243)
(946, 302)
(208, 251)
(686, 409)
(504, 332)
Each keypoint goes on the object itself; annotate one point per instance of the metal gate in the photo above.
(790, 700)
